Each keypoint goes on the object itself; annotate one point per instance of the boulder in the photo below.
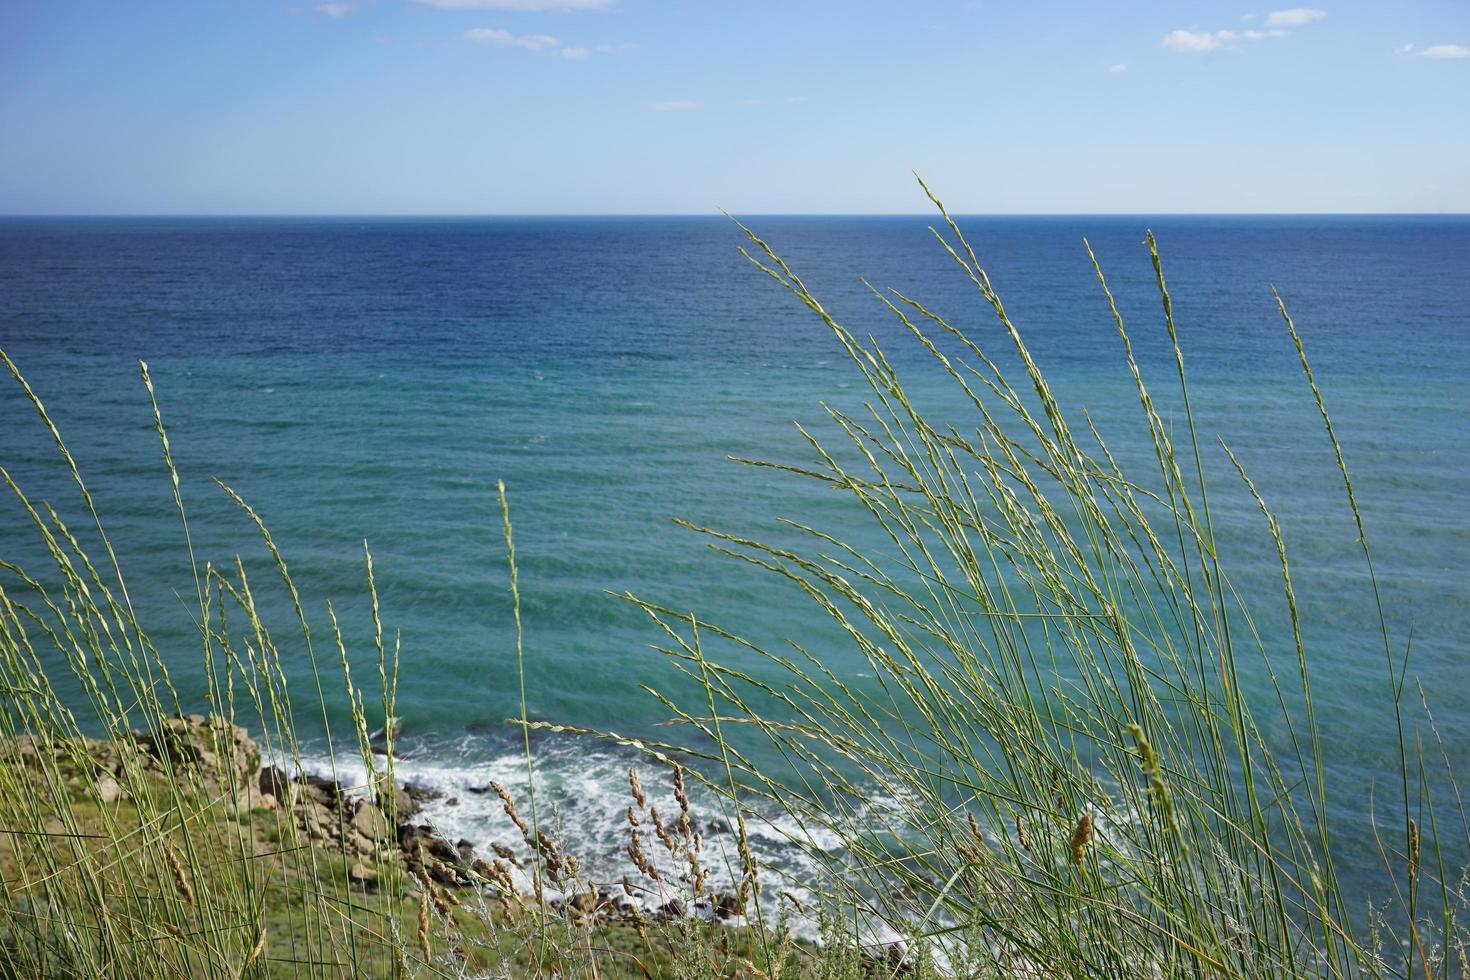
(370, 822)
(108, 790)
(273, 780)
(420, 793)
(362, 874)
(404, 803)
(249, 797)
(321, 789)
(221, 754)
(728, 905)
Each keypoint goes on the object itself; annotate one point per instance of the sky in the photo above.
(757, 106)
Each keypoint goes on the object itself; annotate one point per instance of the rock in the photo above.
(443, 850)
(887, 959)
(669, 911)
(24, 750)
(452, 801)
(370, 822)
(361, 874)
(108, 791)
(581, 905)
(403, 803)
(273, 780)
(220, 753)
(728, 905)
(248, 798)
(412, 835)
(421, 793)
(322, 789)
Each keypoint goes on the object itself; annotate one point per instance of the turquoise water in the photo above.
(374, 378)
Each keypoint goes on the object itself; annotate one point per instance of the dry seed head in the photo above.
(637, 788)
(746, 968)
(510, 809)
(1413, 849)
(975, 828)
(1080, 837)
(640, 859)
(181, 876)
(682, 798)
(658, 828)
(1149, 761)
(441, 900)
(424, 926)
(258, 948)
(632, 817)
(1021, 835)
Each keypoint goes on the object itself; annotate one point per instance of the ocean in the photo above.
(373, 378)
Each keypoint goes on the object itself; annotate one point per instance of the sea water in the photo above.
(374, 378)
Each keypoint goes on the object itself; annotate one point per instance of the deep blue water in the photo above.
(373, 378)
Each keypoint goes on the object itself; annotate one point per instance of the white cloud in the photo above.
(676, 105)
(1444, 52)
(519, 4)
(1196, 42)
(1118, 69)
(1201, 42)
(503, 38)
(1295, 17)
(334, 9)
(576, 54)
(1276, 24)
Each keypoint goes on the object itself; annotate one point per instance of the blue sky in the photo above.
(683, 106)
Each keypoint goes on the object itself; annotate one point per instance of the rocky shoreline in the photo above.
(372, 830)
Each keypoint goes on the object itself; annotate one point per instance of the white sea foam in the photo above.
(581, 800)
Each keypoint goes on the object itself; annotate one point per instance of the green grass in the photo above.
(1073, 780)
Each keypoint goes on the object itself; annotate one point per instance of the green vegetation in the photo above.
(1055, 772)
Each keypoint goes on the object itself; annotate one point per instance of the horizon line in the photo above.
(472, 215)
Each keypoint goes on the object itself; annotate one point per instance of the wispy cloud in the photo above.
(505, 39)
(1439, 52)
(1276, 23)
(1118, 69)
(1200, 42)
(334, 9)
(1295, 17)
(525, 5)
(676, 105)
(545, 43)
